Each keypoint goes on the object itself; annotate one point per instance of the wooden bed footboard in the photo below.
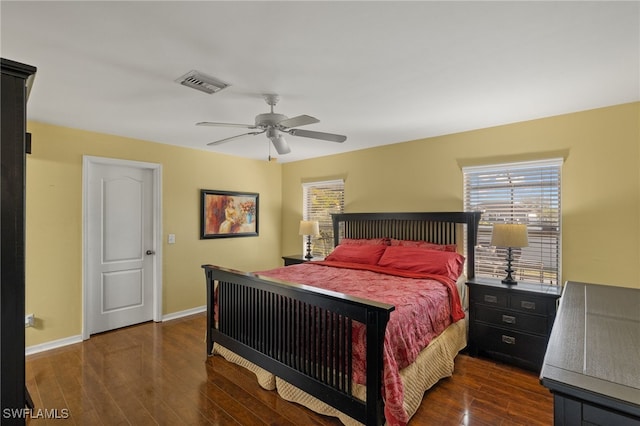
(299, 333)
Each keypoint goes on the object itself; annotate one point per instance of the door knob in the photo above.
(150, 252)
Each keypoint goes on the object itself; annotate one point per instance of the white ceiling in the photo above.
(378, 72)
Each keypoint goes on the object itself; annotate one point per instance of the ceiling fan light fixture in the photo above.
(273, 133)
(279, 142)
(202, 82)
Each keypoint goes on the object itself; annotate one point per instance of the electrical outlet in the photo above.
(29, 320)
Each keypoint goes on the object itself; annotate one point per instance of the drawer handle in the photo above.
(490, 299)
(508, 319)
(524, 304)
(509, 340)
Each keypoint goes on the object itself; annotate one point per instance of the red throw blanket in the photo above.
(425, 305)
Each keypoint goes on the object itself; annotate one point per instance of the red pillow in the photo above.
(425, 244)
(364, 241)
(367, 254)
(420, 259)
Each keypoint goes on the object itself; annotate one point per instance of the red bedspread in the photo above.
(424, 306)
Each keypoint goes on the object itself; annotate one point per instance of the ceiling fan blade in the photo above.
(281, 145)
(211, 123)
(301, 120)
(317, 135)
(218, 142)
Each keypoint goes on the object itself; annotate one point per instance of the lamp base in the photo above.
(509, 281)
(509, 278)
(308, 256)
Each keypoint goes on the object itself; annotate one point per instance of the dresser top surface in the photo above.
(595, 342)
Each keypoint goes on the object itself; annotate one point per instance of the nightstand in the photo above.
(511, 323)
(294, 259)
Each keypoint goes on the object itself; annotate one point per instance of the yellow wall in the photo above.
(54, 221)
(600, 201)
(600, 183)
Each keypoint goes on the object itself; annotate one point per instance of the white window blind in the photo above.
(319, 201)
(529, 193)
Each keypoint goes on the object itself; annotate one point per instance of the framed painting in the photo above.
(226, 214)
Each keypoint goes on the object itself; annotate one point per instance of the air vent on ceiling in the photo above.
(202, 82)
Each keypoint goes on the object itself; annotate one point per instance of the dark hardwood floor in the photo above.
(158, 373)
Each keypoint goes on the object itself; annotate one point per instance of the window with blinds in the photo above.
(528, 193)
(319, 201)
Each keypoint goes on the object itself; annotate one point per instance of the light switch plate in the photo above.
(171, 239)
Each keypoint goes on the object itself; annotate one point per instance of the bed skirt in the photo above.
(434, 362)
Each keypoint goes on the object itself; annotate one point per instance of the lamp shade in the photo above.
(309, 227)
(509, 235)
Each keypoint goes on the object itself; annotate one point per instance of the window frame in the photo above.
(544, 224)
(323, 244)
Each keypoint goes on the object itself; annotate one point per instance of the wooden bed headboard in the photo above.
(434, 227)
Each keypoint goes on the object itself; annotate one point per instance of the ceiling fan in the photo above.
(274, 125)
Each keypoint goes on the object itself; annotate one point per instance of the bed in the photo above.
(329, 350)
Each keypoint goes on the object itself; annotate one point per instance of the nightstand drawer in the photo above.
(525, 303)
(490, 297)
(519, 346)
(512, 319)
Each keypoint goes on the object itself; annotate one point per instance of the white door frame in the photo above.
(89, 161)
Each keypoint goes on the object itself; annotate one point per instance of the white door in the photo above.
(119, 246)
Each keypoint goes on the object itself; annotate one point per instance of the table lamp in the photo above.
(509, 235)
(309, 228)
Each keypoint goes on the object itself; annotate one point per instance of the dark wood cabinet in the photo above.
(16, 79)
(591, 365)
(511, 323)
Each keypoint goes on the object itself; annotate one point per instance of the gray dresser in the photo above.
(592, 362)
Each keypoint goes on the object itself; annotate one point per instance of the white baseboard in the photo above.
(30, 350)
(184, 313)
